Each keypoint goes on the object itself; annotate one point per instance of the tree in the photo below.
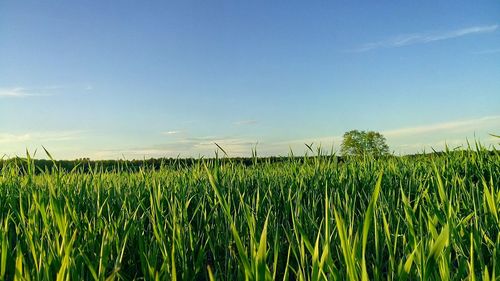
(357, 143)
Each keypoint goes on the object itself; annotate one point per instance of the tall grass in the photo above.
(423, 218)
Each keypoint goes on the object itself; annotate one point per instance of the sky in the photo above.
(141, 79)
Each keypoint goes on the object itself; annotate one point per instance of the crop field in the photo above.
(426, 217)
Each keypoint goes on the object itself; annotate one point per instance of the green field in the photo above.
(426, 217)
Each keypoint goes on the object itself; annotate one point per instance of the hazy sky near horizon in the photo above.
(135, 79)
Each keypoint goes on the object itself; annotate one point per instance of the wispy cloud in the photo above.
(439, 135)
(245, 122)
(418, 147)
(318, 141)
(455, 126)
(171, 133)
(183, 147)
(19, 92)
(298, 146)
(423, 38)
(39, 137)
(205, 144)
(41, 91)
(440, 145)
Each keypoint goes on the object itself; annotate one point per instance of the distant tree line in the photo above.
(86, 165)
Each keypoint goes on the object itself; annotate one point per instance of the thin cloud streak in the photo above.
(423, 38)
(170, 132)
(463, 125)
(245, 122)
(460, 143)
(323, 142)
(19, 92)
(9, 138)
(184, 147)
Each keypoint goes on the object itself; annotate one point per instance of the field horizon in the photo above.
(309, 150)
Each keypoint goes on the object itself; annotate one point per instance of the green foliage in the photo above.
(426, 217)
(359, 143)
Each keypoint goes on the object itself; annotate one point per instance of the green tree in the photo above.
(356, 143)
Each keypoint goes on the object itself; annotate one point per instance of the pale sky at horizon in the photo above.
(125, 79)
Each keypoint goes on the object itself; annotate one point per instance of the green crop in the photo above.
(426, 217)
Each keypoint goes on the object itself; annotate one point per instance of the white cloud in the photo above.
(440, 145)
(59, 143)
(299, 145)
(234, 146)
(12, 138)
(245, 122)
(454, 126)
(423, 38)
(19, 92)
(171, 132)
(327, 144)
(438, 136)
(184, 147)
(9, 138)
(14, 93)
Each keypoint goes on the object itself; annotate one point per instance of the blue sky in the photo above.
(114, 79)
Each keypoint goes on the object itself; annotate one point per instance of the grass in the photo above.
(427, 217)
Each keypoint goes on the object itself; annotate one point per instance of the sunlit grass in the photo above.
(427, 217)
